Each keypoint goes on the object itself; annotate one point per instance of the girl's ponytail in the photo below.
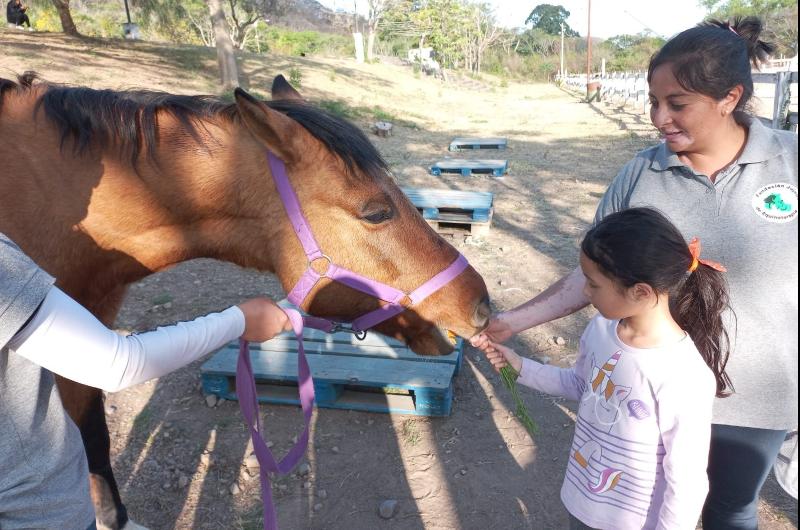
(697, 307)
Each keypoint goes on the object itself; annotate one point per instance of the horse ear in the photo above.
(281, 89)
(276, 130)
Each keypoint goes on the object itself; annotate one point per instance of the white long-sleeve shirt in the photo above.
(640, 450)
(66, 339)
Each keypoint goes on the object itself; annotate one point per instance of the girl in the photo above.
(723, 176)
(649, 367)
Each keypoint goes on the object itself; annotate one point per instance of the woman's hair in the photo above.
(715, 56)
(640, 245)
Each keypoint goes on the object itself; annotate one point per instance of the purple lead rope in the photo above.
(248, 403)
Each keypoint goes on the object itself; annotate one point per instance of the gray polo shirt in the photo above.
(747, 220)
(44, 478)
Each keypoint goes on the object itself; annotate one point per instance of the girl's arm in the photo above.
(66, 339)
(564, 382)
(684, 418)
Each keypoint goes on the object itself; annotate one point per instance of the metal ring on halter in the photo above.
(325, 257)
(348, 328)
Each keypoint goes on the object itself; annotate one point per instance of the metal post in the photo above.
(127, 11)
(589, 51)
(561, 71)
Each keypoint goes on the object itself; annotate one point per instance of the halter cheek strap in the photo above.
(245, 381)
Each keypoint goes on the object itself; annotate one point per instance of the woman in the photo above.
(723, 176)
(16, 14)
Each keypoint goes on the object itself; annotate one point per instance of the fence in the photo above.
(631, 88)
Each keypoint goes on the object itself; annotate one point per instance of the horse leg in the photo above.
(85, 406)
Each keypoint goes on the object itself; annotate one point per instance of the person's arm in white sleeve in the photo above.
(66, 339)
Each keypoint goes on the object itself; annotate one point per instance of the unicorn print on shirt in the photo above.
(604, 398)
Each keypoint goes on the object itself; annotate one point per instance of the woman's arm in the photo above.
(559, 300)
(66, 339)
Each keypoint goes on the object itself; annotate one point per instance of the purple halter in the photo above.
(245, 382)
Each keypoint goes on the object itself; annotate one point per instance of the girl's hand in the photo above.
(263, 319)
(499, 355)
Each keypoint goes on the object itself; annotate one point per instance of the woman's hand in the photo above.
(263, 319)
(498, 330)
(499, 355)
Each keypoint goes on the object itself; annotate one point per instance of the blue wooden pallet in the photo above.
(497, 168)
(455, 205)
(377, 374)
(467, 144)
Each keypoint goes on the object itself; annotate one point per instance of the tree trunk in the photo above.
(67, 24)
(371, 44)
(226, 59)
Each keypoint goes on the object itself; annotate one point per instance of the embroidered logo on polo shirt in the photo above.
(776, 203)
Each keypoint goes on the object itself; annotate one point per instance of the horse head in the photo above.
(360, 218)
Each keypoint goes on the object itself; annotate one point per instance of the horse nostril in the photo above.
(482, 313)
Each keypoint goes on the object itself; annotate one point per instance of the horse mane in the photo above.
(128, 118)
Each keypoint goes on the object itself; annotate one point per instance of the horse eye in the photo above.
(378, 217)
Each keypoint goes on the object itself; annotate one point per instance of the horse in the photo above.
(102, 188)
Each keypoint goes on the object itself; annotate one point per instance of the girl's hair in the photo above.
(640, 245)
(715, 56)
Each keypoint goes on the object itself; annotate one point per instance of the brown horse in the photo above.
(102, 188)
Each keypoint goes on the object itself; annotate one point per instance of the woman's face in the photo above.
(689, 122)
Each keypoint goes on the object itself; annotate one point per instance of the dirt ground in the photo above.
(178, 460)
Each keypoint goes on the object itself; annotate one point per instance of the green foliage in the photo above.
(296, 78)
(779, 18)
(630, 52)
(548, 18)
(288, 42)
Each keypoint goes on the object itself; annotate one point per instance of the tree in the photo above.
(225, 56)
(67, 24)
(548, 18)
(376, 11)
(779, 18)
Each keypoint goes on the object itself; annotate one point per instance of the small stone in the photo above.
(306, 484)
(322, 494)
(211, 400)
(501, 283)
(335, 449)
(221, 401)
(560, 341)
(183, 481)
(166, 485)
(168, 305)
(111, 409)
(270, 444)
(477, 414)
(370, 422)
(282, 487)
(304, 469)
(318, 507)
(234, 489)
(502, 249)
(387, 509)
(251, 462)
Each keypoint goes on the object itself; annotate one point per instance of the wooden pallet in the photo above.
(498, 168)
(443, 209)
(467, 144)
(377, 374)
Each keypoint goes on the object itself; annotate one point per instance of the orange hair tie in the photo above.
(694, 250)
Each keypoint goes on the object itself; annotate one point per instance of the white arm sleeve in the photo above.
(66, 339)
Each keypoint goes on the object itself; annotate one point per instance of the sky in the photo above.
(609, 17)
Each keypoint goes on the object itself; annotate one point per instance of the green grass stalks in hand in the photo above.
(509, 376)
